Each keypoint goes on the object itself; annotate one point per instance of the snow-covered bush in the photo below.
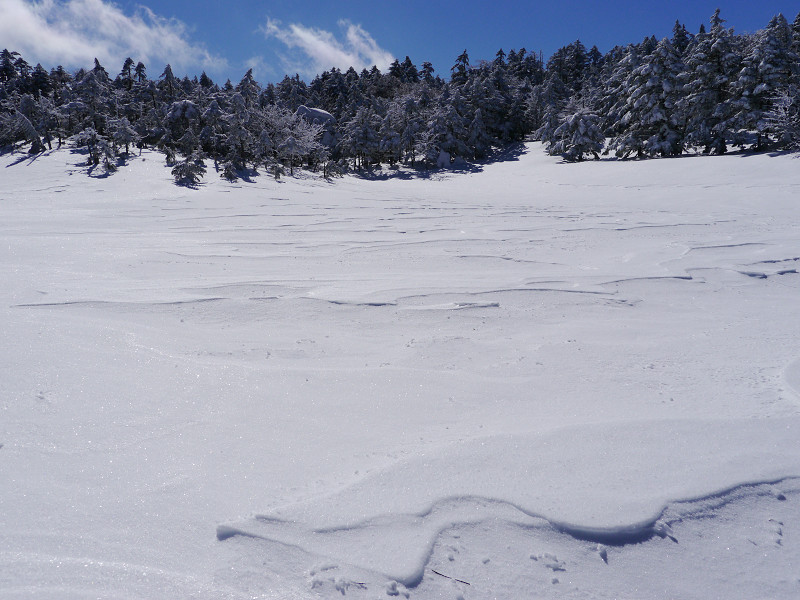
(189, 171)
(578, 135)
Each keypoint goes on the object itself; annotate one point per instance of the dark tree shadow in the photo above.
(509, 153)
(25, 157)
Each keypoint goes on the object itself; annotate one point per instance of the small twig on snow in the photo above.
(453, 578)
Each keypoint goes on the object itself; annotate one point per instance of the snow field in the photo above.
(584, 373)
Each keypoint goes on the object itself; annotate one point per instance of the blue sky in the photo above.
(275, 38)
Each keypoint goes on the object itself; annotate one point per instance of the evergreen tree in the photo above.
(479, 140)
(40, 81)
(650, 122)
(8, 70)
(168, 85)
(783, 121)
(611, 102)
(360, 137)
(578, 135)
(796, 34)
(409, 70)
(249, 89)
(680, 38)
(447, 131)
(427, 72)
(140, 72)
(458, 72)
(707, 104)
(123, 134)
(100, 72)
(125, 77)
(546, 105)
(768, 68)
(190, 171)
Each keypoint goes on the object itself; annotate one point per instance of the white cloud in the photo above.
(74, 32)
(315, 50)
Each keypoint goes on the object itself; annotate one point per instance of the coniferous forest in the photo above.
(704, 92)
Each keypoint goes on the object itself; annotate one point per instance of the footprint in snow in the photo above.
(550, 561)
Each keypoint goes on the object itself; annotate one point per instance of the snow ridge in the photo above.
(389, 522)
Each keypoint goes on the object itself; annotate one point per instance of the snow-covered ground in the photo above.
(535, 381)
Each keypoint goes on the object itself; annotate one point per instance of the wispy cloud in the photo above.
(313, 50)
(74, 32)
(259, 66)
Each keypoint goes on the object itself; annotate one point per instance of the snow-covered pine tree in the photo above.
(16, 127)
(190, 171)
(479, 140)
(122, 133)
(783, 121)
(168, 86)
(249, 89)
(611, 104)
(181, 116)
(40, 82)
(390, 138)
(140, 72)
(650, 123)
(680, 38)
(94, 92)
(125, 77)
(360, 137)
(8, 69)
(448, 130)
(768, 68)
(796, 34)
(578, 135)
(484, 95)
(459, 71)
(546, 105)
(706, 108)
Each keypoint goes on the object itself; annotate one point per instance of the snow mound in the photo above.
(583, 481)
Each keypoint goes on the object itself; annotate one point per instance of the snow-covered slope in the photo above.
(537, 380)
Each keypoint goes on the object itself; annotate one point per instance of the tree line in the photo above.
(691, 92)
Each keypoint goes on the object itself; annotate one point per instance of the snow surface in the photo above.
(532, 380)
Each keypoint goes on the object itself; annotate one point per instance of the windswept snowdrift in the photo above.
(582, 481)
(537, 380)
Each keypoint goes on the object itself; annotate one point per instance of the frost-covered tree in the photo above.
(95, 96)
(168, 84)
(578, 135)
(680, 38)
(40, 84)
(768, 68)
(8, 69)
(123, 134)
(190, 171)
(360, 137)
(140, 72)
(650, 122)
(479, 140)
(546, 105)
(731, 87)
(249, 89)
(125, 77)
(447, 131)
(783, 121)
(99, 147)
(706, 107)
(611, 102)
(796, 34)
(17, 127)
(459, 71)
